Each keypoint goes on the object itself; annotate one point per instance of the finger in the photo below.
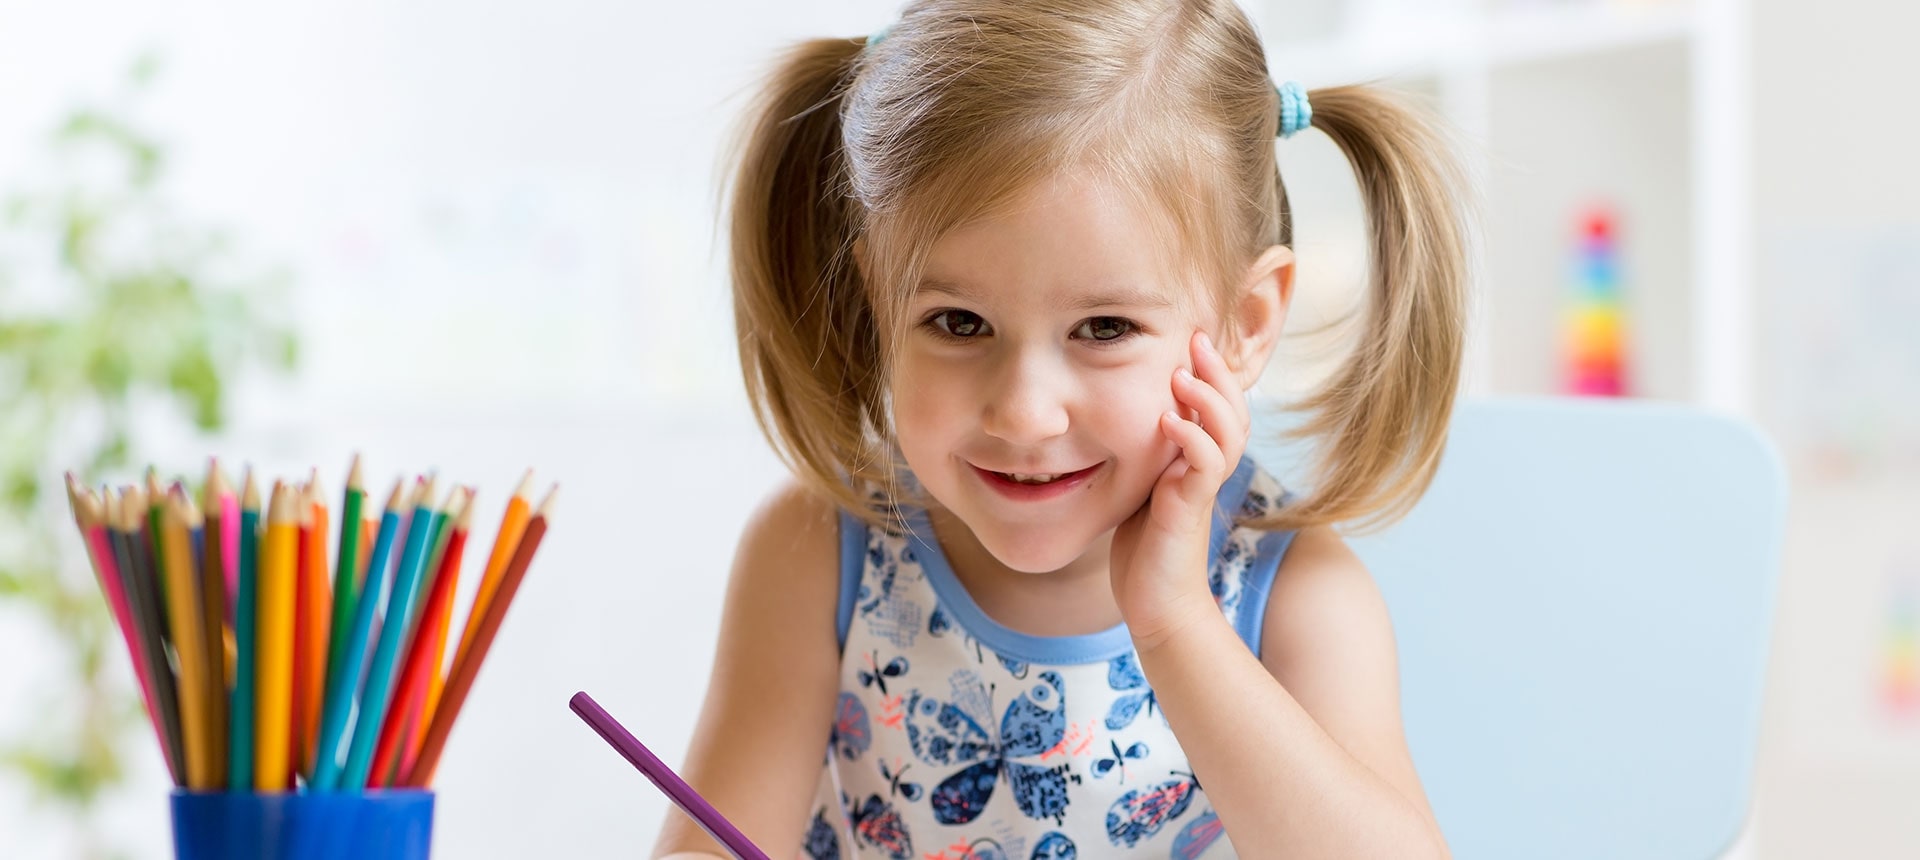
(1214, 411)
(1205, 461)
(1211, 367)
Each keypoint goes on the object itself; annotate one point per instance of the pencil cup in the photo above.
(373, 825)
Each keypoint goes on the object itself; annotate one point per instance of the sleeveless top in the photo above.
(956, 737)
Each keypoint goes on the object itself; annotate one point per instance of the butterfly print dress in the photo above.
(956, 738)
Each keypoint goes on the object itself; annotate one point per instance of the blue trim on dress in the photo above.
(853, 564)
(1052, 650)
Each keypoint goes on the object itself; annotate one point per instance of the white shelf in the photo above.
(1438, 44)
(1645, 104)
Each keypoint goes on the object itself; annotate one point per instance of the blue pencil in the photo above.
(240, 748)
(374, 698)
(343, 677)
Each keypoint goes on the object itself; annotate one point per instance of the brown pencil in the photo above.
(467, 666)
(213, 613)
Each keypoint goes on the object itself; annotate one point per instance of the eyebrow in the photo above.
(1113, 297)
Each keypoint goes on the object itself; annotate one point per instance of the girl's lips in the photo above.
(1016, 491)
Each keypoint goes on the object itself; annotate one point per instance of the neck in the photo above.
(1075, 600)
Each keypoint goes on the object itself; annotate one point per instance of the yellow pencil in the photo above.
(189, 638)
(274, 689)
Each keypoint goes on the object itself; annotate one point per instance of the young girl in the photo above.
(1003, 277)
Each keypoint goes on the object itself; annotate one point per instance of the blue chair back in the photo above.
(1582, 603)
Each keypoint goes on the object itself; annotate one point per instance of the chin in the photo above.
(1037, 554)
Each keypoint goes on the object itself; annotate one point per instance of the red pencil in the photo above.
(467, 665)
(410, 690)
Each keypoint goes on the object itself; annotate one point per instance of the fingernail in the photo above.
(1183, 373)
(1206, 343)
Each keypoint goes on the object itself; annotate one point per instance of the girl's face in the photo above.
(1044, 342)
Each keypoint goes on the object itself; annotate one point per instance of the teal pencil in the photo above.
(240, 751)
(375, 698)
(345, 678)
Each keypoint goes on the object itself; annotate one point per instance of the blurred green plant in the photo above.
(113, 307)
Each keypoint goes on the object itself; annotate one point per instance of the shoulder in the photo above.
(1322, 590)
(789, 550)
(793, 521)
(1327, 632)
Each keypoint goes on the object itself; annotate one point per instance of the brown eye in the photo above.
(1104, 329)
(959, 324)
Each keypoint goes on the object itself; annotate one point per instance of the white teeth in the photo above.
(1034, 479)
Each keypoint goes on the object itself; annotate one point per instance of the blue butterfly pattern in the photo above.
(852, 733)
(1123, 674)
(1199, 835)
(950, 733)
(822, 843)
(888, 614)
(878, 824)
(1141, 813)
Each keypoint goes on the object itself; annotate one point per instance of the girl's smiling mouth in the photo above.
(1035, 488)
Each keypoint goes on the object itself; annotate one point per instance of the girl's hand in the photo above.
(1159, 555)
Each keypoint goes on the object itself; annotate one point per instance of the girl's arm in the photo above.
(762, 737)
(1301, 751)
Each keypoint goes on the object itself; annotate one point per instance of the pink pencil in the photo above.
(89, 512)
(230, 536)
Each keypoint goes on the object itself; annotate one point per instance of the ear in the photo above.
(1258, 314)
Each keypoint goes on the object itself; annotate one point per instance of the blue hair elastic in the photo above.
(1295, 112)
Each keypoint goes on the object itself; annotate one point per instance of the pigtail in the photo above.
(805, 328)
(1381, 421)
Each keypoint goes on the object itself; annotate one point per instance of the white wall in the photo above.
(1835, 185)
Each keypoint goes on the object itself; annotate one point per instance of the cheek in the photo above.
(1130, 402)
(929, 399)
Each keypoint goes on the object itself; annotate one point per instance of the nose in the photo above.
(1025, 403)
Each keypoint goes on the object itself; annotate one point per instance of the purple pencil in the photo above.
(663, 777)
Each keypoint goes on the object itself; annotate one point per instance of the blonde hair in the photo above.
(966, 104)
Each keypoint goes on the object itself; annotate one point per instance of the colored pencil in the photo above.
(410, 690)
(317, 602)
(189, 638)
(149, 615)
(467, 666)
(258, 671)
(443, 625)
(273, 634)
(346, 575)
(213, 613)
(230, 545)
(344, 680)
(94, 514)
(513, 524)
(240, 748)
(376, 697)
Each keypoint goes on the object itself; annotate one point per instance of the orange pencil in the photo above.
(317, 602)
(368, 528)
(513, 524)
(274, 635)
(466, 666)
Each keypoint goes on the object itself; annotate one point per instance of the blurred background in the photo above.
(480, 237)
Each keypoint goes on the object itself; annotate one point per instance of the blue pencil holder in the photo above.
(372, 825)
